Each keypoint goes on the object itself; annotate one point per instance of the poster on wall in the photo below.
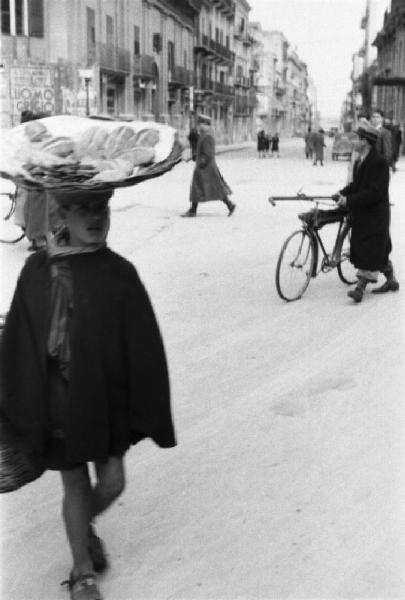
(32, 88)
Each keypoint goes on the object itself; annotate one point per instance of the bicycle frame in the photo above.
(330, 261)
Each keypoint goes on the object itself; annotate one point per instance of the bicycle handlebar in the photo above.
(299, 196)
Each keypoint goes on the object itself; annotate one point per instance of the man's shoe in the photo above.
(189, 213)
(391, 285)
(97, 552)
(231, 210)
(83, 587)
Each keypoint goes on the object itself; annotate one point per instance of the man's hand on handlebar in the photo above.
(339, 199)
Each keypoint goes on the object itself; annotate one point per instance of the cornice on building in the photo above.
(173, 9)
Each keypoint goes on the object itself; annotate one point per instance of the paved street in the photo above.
(288, 479)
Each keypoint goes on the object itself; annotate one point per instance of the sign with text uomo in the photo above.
(32, 88)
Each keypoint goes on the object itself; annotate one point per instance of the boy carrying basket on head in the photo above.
(83, 372)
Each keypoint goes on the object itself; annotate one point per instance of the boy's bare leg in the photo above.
(76, 515)
(110, 484)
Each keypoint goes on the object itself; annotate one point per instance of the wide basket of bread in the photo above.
(77, 153)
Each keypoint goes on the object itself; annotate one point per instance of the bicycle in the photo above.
(299, 256)
(9, 232)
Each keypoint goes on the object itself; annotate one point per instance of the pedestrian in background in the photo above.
(367, 199)
(267, 138)
(308, 143)
(40, 215)
(83, 373)
(193, 139)
(384, 142)
(396, 140)
(207, 183)
(318, 142)
(261, 143)
(275, 145)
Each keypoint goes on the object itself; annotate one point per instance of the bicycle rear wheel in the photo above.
(295, 265)
(346, 270)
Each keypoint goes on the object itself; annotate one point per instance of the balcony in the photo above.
(242, 81)
(143, 66)
(222, 88)
(213, 49)
(204, 85)
(202, 44)
(111, 58)
(227, 7)
(389, 80)
(180, 77)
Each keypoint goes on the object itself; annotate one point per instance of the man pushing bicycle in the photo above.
(367, 199)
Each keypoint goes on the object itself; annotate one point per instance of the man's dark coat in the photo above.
(119, 386)
(368, 202)
(208, 183)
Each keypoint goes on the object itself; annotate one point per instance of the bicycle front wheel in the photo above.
(295, 265)
(346, 270)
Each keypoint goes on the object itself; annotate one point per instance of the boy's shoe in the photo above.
(189, 213)
(97, 552)
(83, 587)
(391, 285)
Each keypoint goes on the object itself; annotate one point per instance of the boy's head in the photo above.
(86, 216)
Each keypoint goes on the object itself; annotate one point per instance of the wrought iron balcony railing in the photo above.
(143, 66)
(109, 57)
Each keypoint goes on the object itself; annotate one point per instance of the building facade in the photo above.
(163, 60)
(389, 79)
(115, 57)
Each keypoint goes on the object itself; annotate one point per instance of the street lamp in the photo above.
(87, 76)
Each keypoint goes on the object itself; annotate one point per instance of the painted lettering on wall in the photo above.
(32, 88)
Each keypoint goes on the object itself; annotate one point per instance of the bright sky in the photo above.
(326, 33)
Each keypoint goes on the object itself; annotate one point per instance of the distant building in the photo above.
(389, 79)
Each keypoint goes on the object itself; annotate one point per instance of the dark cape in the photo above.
(118, 389)
(368, 203)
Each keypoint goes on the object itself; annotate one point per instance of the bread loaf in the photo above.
(61, 146)
(118, 140)
(92, 143)
(138, 155)
(147, 137)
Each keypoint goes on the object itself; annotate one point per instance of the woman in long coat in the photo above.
(207, 183)
(318, 143)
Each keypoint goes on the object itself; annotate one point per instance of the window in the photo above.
(137, 43)
(157, 42)
(216, 34)
(170, 56)
(5, 16)
(185, 59)
(91, 27)
(227, 42)
(109, 30)
(19, 17)
(36, 18)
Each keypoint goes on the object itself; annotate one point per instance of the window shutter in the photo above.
(36, 18)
